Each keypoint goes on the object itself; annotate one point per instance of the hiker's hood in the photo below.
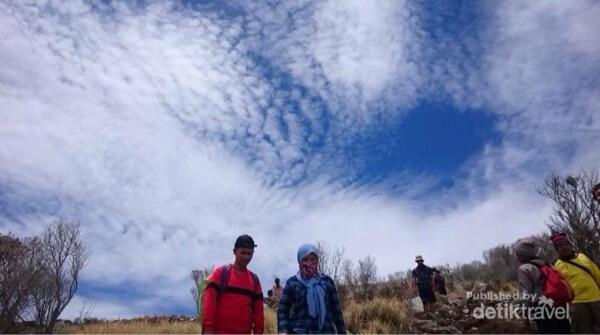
(305, 250)
(526, 247)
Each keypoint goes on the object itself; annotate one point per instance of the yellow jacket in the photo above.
(585, 286)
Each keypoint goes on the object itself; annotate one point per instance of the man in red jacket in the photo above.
(233, 301)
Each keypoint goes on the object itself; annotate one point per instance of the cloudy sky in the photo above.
(389, 128)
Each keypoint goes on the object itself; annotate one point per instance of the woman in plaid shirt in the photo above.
(309, 302)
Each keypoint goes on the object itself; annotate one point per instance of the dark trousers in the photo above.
(553, 325)
(585, 316)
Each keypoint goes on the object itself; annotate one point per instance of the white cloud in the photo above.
(357, 54)
(537, 72)
(155, 128)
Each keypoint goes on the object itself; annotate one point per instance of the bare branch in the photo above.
(62, 258)
(575, 212)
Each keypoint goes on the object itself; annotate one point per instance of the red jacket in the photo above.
(239, 310)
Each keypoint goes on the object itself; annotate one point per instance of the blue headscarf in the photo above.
(315, 294)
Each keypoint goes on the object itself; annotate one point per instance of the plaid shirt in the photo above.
(292, 315)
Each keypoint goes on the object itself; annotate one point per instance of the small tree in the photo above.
(330, 260)
(367, 276)
(18, 271)
(501, 263)
(200, 280)
(348, 273)
(469, 272)
(575, 212)
(62, 258)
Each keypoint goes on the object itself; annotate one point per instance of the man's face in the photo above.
(243, 255)
(419, 263)
(597, 195)
(564, 248)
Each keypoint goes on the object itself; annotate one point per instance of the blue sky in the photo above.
(168, 128)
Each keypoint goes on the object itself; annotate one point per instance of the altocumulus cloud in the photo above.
(169, 129)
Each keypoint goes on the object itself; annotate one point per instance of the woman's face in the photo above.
(310, 260)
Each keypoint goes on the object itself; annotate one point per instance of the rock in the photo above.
(416, 304)
(445, 309)
(445, 322)
(427, 326)
(419, 323)
(448, 330)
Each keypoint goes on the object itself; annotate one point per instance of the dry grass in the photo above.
(149, 327)
(379, 315)
(270, 321)
(133, 327)
(506, 287)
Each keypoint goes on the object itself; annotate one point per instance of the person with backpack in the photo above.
(309, 303)
(584, 276)
(538, 279)
(233, 300)
(423, 282)
(440, 282)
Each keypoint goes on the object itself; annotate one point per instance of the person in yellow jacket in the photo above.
(584, 276)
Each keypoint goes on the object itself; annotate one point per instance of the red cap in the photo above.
(557, 238)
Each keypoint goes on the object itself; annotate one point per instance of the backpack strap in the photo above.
(259, 295)
(540, 268)
(537, 265)
(220, 284)
(584, 269)
(224, 280)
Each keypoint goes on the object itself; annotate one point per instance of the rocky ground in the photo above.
(454, 315)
